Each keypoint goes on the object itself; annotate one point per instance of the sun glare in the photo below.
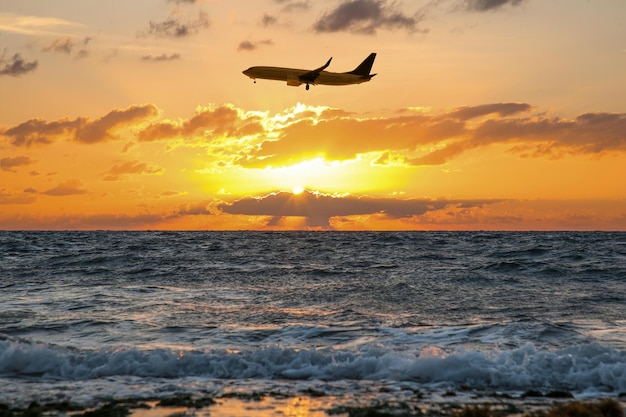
(353, 176)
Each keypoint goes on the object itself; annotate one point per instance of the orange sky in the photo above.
(484, 115)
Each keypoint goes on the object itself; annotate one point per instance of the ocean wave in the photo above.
(583, 368)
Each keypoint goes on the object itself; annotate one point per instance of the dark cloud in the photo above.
(64, 45)
(102, 129)
(9, 164)
(219, 121)
(501, 109)
(587, 134)
(486, 5)
(268, 20)
(119, 171)
(67, 45)
(160, 58)
(251, 46)
(17, 66)
(38, 131)
(82, 54)
(67, 188)
(365, 16)
(319, 208)
(177, 26)
(592, 133)
(201, 208)
(170, 193)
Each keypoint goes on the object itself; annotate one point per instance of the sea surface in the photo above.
(90, 316)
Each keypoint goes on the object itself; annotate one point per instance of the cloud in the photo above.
(251, 46)
(119, 171)
(38, 131)
(170, 193)
(457, 214)
(21, 198)
(112, 221)
(268, 20)
(109, 221)
(60, 45)
(207, 122)
(589, 133)
(486, 5)
(113, 53)
(294, 6)
(336, 137)
(9, 164)
(365, 16)
(66, 46)
(501, 109)
(102, 128)
(319, 208)
(67, 188)
(409, 137)
(17, 66)
(434, 139)
(33, 25)
(202, 208)
(161, 58)
(440, 156)
(83, 53)
(176, 26)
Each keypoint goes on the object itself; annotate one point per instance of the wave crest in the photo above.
(581, 368)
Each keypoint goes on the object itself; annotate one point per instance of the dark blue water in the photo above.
(87, 315)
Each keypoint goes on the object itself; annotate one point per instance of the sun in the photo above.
(297, 190)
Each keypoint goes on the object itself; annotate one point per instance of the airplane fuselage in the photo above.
(293, 76)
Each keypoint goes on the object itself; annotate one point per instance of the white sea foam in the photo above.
(586, 368)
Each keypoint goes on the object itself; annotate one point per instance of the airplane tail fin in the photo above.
(365, 67)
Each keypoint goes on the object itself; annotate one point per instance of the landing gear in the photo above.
(307, 87)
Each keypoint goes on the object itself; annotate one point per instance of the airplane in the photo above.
(295, 77)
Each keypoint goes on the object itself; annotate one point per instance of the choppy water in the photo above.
(93, 315)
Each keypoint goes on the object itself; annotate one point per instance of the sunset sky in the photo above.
(484, 115)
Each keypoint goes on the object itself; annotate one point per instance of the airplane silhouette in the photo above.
(295, 77)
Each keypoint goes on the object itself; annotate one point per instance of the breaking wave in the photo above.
(590, 368)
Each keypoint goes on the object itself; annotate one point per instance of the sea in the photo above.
(91, 316)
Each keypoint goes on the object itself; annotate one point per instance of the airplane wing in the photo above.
(311, 76)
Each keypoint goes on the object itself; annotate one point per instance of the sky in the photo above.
(483, 115)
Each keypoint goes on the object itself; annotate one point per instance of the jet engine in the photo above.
(293, 80)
